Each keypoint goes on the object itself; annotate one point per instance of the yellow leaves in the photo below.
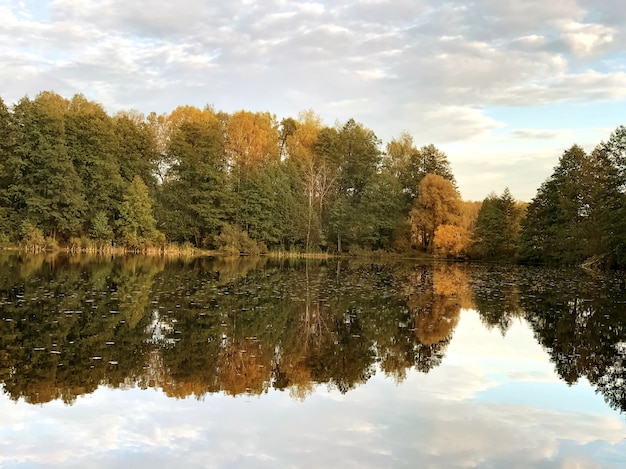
(451, 240)
(252, 139)
(190, 114)
(301, 143)
(438, 203)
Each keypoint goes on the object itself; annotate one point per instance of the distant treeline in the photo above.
(71, 175)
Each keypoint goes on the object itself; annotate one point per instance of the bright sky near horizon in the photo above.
(503, 87)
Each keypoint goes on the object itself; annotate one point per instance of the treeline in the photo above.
(71, 174)
(74, 175)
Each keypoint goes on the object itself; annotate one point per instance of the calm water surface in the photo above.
(146, 362)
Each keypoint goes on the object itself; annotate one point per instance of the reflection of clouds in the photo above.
(428, 420)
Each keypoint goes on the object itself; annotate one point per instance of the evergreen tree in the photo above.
(613, 153)
(434, 161)
(568, 220)
(497, 227)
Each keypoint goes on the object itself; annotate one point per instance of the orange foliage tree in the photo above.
(438, 203)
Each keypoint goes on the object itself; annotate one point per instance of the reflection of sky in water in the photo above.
(493, 402)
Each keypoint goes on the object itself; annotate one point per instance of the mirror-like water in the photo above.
(144, 361)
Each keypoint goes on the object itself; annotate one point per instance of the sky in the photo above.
(502, 87)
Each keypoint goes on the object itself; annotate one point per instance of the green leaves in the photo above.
(497, 227)
(572, 217)
(136, 223)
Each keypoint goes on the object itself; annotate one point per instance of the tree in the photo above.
(137, 151)
(402, 161)
(438, 203)
(195, 195)
(497, 227)
(7, 142)
(358, 157)
(301, 140)
(434, 161)
(409, 165)
(252, 140)
(354, 153)
(136, 223)
(100, 229)
(91, 145)
(45, 186)
(452, 240)
(614, 224)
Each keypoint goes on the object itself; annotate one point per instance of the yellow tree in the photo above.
(456, 240)
(252, 139)
(438, 203)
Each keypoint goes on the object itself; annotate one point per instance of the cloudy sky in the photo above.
(503, 87)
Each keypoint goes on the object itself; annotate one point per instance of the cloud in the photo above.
(586, 39)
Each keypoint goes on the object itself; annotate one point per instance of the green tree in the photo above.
(409, 165)
(100, 228)
(196, 198)
(91, 145)
(45, 186)
(434, 161)
(614, 223)
(7, 142)
(136, 150)
(497, 227)
(354, 152)
(136, 223)
(358, 156)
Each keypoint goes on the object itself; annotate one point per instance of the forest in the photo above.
(75, 177)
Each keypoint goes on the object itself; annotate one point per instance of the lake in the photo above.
(201, 362)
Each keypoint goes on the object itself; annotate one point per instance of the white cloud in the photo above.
(586, 39)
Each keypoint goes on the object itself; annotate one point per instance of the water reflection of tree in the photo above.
(579, 319)
(582, 323)
(497, 295)
(64, 334)
(195, 326)
(435, 296)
